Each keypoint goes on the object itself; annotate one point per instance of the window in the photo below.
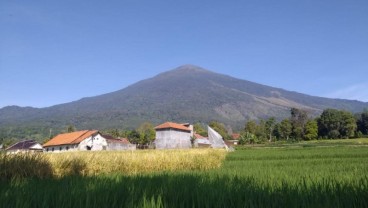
(67, 147)
(52, 149)
(60, 148)
(47, 149)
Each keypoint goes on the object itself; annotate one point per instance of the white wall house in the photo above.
(87, 140)
(173, 136)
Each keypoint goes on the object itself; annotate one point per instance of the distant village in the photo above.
(169, 135)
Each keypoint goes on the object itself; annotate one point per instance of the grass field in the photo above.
(296, 176)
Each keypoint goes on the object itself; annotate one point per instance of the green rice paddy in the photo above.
(295, 176)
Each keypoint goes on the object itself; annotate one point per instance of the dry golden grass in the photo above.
(134, 162)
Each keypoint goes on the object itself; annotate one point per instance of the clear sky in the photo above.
(53, 52)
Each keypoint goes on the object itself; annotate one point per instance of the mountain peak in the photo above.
(187, 69)
(190, 68)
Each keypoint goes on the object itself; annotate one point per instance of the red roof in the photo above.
(111, 139)
(198, 136)
(235, 136)
(70, 138)
(171, 125)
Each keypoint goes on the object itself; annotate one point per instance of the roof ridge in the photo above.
(22, 141)
(85, 132)
(172, 125)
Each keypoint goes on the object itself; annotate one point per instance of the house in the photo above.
(234, 141)
(74, 141)
(24, 147)
(201, 141)
(235, 136)
(171, 135)
(118, 143)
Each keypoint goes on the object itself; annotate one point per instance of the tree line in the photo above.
(331, 124)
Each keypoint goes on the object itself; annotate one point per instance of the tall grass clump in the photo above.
(134, 162)
(30, 165)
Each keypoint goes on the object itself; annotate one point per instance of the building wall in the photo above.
(201, 143)
(172, 139)
(61, 148)
(118, 146)
(96, 143)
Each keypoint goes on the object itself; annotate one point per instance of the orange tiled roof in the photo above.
(70, 138)
(171, 125)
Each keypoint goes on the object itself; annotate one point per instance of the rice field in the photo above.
(42, 165)
(135, 162)
(333, 176)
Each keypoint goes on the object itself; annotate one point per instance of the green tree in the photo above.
(298, 120)
(134, 137)
(198, 128)
(284, 129)
(247, 138)
(114, 132)
(125, 133)
(348, 125)
(269, 127)
(261, 132)
(311, 130)
(336, 124)
(147, 133)
(251, 127)
(362, 122)
(329, 123)
(70, 128)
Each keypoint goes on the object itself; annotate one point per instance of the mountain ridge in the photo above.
(185, 94)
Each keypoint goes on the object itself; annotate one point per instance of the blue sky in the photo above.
(53, 52)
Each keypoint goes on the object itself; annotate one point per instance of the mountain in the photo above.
(185, 94)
